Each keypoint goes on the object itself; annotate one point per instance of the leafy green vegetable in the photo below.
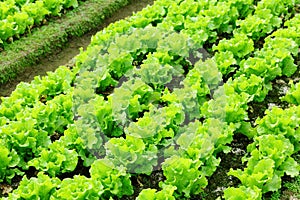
(281, 122)
(9, 160)
(144, 96)
(151, 194)
(270, 157)
(41, 187)
(293, 94)
(225, 61)
(129, 100)
(18, 16)
(254, 85)
(183, 173)
(240, 45)
(132, 153)
(114, 178)
(77, 188)
(242, 192)
(57, 159)
(260, 24)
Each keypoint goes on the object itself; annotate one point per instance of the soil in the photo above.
(64, 56)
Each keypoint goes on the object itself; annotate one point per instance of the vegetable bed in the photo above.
(157, 102)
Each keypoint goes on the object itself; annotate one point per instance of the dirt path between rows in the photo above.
(50, 63)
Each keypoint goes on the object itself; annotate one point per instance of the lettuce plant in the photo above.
(152, 194)
(114, 179)
(293, 94)
(184, 174)
(40, 187)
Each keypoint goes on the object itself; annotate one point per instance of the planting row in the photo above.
(17, 17)
(146, 96)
